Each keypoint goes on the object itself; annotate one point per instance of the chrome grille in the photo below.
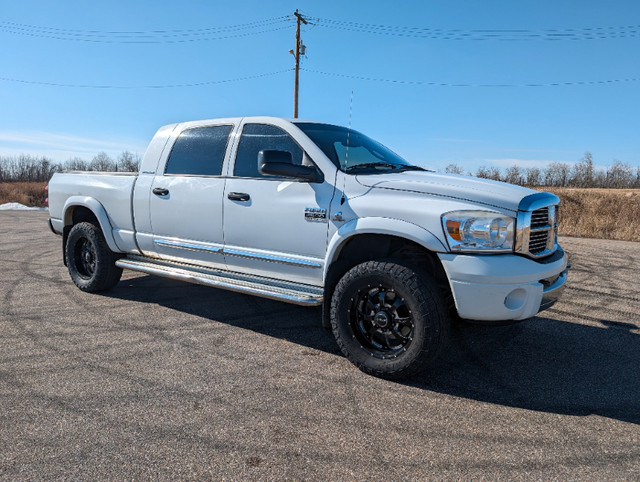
(538, 240)
(540, 218)
(537, 226)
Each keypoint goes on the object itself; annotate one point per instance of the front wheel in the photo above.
(388, 319)
(90, 261)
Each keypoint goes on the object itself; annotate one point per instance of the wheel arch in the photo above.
(380, 228)
(382, 238)
(84, 208)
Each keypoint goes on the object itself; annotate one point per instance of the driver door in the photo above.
(274, 227)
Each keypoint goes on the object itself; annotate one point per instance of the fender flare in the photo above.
(99, 212)
(383, 226)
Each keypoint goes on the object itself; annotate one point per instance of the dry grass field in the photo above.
(599, 213)
(27, 193)
(587, 213)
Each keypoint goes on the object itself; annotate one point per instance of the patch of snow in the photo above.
(18, 207)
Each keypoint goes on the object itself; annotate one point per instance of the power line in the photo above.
(586, 33)
(143, 32)
(331, 74)
(151, 40)
(447, 84)
(150, 36)
(158, 86)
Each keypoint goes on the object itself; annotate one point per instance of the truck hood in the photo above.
(482, 191)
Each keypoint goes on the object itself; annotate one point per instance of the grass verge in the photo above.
(599, 213)
(27, 193)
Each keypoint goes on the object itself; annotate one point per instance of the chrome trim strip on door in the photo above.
(272, 258)
(187, 246)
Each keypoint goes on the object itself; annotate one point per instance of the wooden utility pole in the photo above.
(299, 18)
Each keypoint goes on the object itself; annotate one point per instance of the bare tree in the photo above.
(102, 162)
(482, 172)
(582, 172)
(599, 178)
(454, 169)
(513, 175)
(557, 174)
(26, 168)
(128, 162)
(76, 164)
(620, 175)
(533, 176)
(492, 173)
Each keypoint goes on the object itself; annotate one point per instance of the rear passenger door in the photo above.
(186, 198)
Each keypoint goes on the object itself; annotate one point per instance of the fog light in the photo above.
(516, 299)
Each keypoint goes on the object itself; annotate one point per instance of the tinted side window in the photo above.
(199, 151)
(258, 137)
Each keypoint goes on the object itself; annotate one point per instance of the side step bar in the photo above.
(296, 293)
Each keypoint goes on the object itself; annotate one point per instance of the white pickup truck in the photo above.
(317, 214)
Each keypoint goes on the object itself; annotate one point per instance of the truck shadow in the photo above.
(543, 364)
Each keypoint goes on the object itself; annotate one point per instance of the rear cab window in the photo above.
(199, 151)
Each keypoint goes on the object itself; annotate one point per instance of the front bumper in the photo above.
(504, 287)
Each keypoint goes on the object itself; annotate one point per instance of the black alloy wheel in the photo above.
(90, 262)
(389, 318)
(85, 258)
(381, 321)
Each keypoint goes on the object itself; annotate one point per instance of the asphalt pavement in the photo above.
(159, 379)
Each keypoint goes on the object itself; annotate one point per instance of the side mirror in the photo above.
(280, 163)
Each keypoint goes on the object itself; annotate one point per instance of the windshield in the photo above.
(363, 155)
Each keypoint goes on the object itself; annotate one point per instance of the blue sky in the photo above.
(495, 49)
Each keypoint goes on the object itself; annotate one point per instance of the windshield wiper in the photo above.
(369, 165)
(412, 168)
(395, 167)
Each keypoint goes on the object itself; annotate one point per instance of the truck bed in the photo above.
(113, 190)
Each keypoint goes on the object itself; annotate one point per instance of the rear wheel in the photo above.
(388, 319)
(90, 261)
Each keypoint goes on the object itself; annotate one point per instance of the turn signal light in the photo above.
(453, 228)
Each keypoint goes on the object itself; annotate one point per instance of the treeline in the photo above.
(560, 174)
(26, 168)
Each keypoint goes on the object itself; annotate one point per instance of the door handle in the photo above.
(238, 196)
(160, 191)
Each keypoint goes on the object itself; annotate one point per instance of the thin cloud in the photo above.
(446, 139)
(57, 145)
(563, 151)
(508, 162)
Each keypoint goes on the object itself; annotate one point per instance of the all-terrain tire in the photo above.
(389, 319)
(90, 261)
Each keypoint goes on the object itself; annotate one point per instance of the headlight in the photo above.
(478, 231)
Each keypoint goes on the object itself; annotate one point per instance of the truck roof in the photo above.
(235, 120)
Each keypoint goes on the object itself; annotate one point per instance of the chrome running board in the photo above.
(296, 293)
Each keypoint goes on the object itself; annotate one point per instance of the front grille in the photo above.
(538, 240)
(537, 231)
(540, 218)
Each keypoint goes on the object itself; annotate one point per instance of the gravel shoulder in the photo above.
(162, 379)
